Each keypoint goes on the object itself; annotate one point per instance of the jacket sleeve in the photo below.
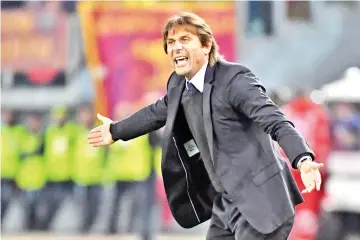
(248, 96)
(144, 121)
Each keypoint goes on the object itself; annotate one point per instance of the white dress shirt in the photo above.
(199, 78)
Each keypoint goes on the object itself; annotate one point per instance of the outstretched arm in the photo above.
(146, 120)
(248, 96)
(142, 122)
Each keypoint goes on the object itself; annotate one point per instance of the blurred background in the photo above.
(64, 61)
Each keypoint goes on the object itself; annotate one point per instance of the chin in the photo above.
(182, 72)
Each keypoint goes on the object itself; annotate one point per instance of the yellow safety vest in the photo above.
(129, 160)
(59, 153)
(88, 165)
(32, 173)
(11, 137)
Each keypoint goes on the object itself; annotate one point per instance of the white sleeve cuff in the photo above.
(304, 158)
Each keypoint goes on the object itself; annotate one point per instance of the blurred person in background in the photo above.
(88, 168)
(129, 167)
(32, 176)
(57, 147)
(339, 222)
(150, 184)
(218, 161)
(11, 138)
(346, 127)
(311, 119)
(276, 98)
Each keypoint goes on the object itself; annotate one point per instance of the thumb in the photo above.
(317, 165)
(101, 118)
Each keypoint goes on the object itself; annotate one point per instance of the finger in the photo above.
(94, 130)
(311, 187)
(101, 118)
(94, 134)
(95, 140)
(318, 181)
(308, 188)
(316, 165)
(318, 185)
(99, 144)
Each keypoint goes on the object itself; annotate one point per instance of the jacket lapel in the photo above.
(174, 98)
(207, 118)
(209, 77)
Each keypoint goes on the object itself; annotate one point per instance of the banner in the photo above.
(125, 52)
(30, 39)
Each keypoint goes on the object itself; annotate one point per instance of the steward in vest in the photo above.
(128, 167)
(31, 177)
(11, 137)
(58, 157)
(88, 168)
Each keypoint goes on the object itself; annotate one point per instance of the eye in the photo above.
(169, 42)
(185, 39)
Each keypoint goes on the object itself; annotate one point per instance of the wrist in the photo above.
(303, 160)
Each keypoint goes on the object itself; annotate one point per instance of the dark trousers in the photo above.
(227, 223)
(147, 207)
(8, 190)
(91, 200)
(30, 201)
(52, 198)
(137, 194)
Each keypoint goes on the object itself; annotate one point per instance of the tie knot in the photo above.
(190, 86)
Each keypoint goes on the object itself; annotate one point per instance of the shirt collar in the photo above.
(199, 78)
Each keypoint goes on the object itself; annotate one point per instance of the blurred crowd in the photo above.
(44, 163)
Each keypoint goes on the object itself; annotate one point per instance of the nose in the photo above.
(177, 45)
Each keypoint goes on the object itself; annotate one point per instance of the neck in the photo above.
(190, 76)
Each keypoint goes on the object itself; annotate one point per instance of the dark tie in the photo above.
(191, 87)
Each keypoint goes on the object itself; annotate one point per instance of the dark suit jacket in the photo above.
(241, 123)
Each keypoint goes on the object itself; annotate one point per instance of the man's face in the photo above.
(84, 116)
(34, 122)
(7, 116)
(186, 51)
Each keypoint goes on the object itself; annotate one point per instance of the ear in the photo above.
(207, 48)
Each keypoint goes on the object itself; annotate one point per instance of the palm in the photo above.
(105, 133)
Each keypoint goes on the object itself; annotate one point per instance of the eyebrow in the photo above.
(182, 36)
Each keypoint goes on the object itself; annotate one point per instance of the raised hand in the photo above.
(310, 175)
(101, 136)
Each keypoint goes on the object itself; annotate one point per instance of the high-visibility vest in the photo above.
(59, 153)
(129, 160)
(88, 164)
(32, 174)
(11, 137)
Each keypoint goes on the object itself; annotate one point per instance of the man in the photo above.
(11, 138)
(32, 176)
(129, 167)
(219, 160)
(88, 168)
(57, 151)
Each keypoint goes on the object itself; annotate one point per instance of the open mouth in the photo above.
(181, 61)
